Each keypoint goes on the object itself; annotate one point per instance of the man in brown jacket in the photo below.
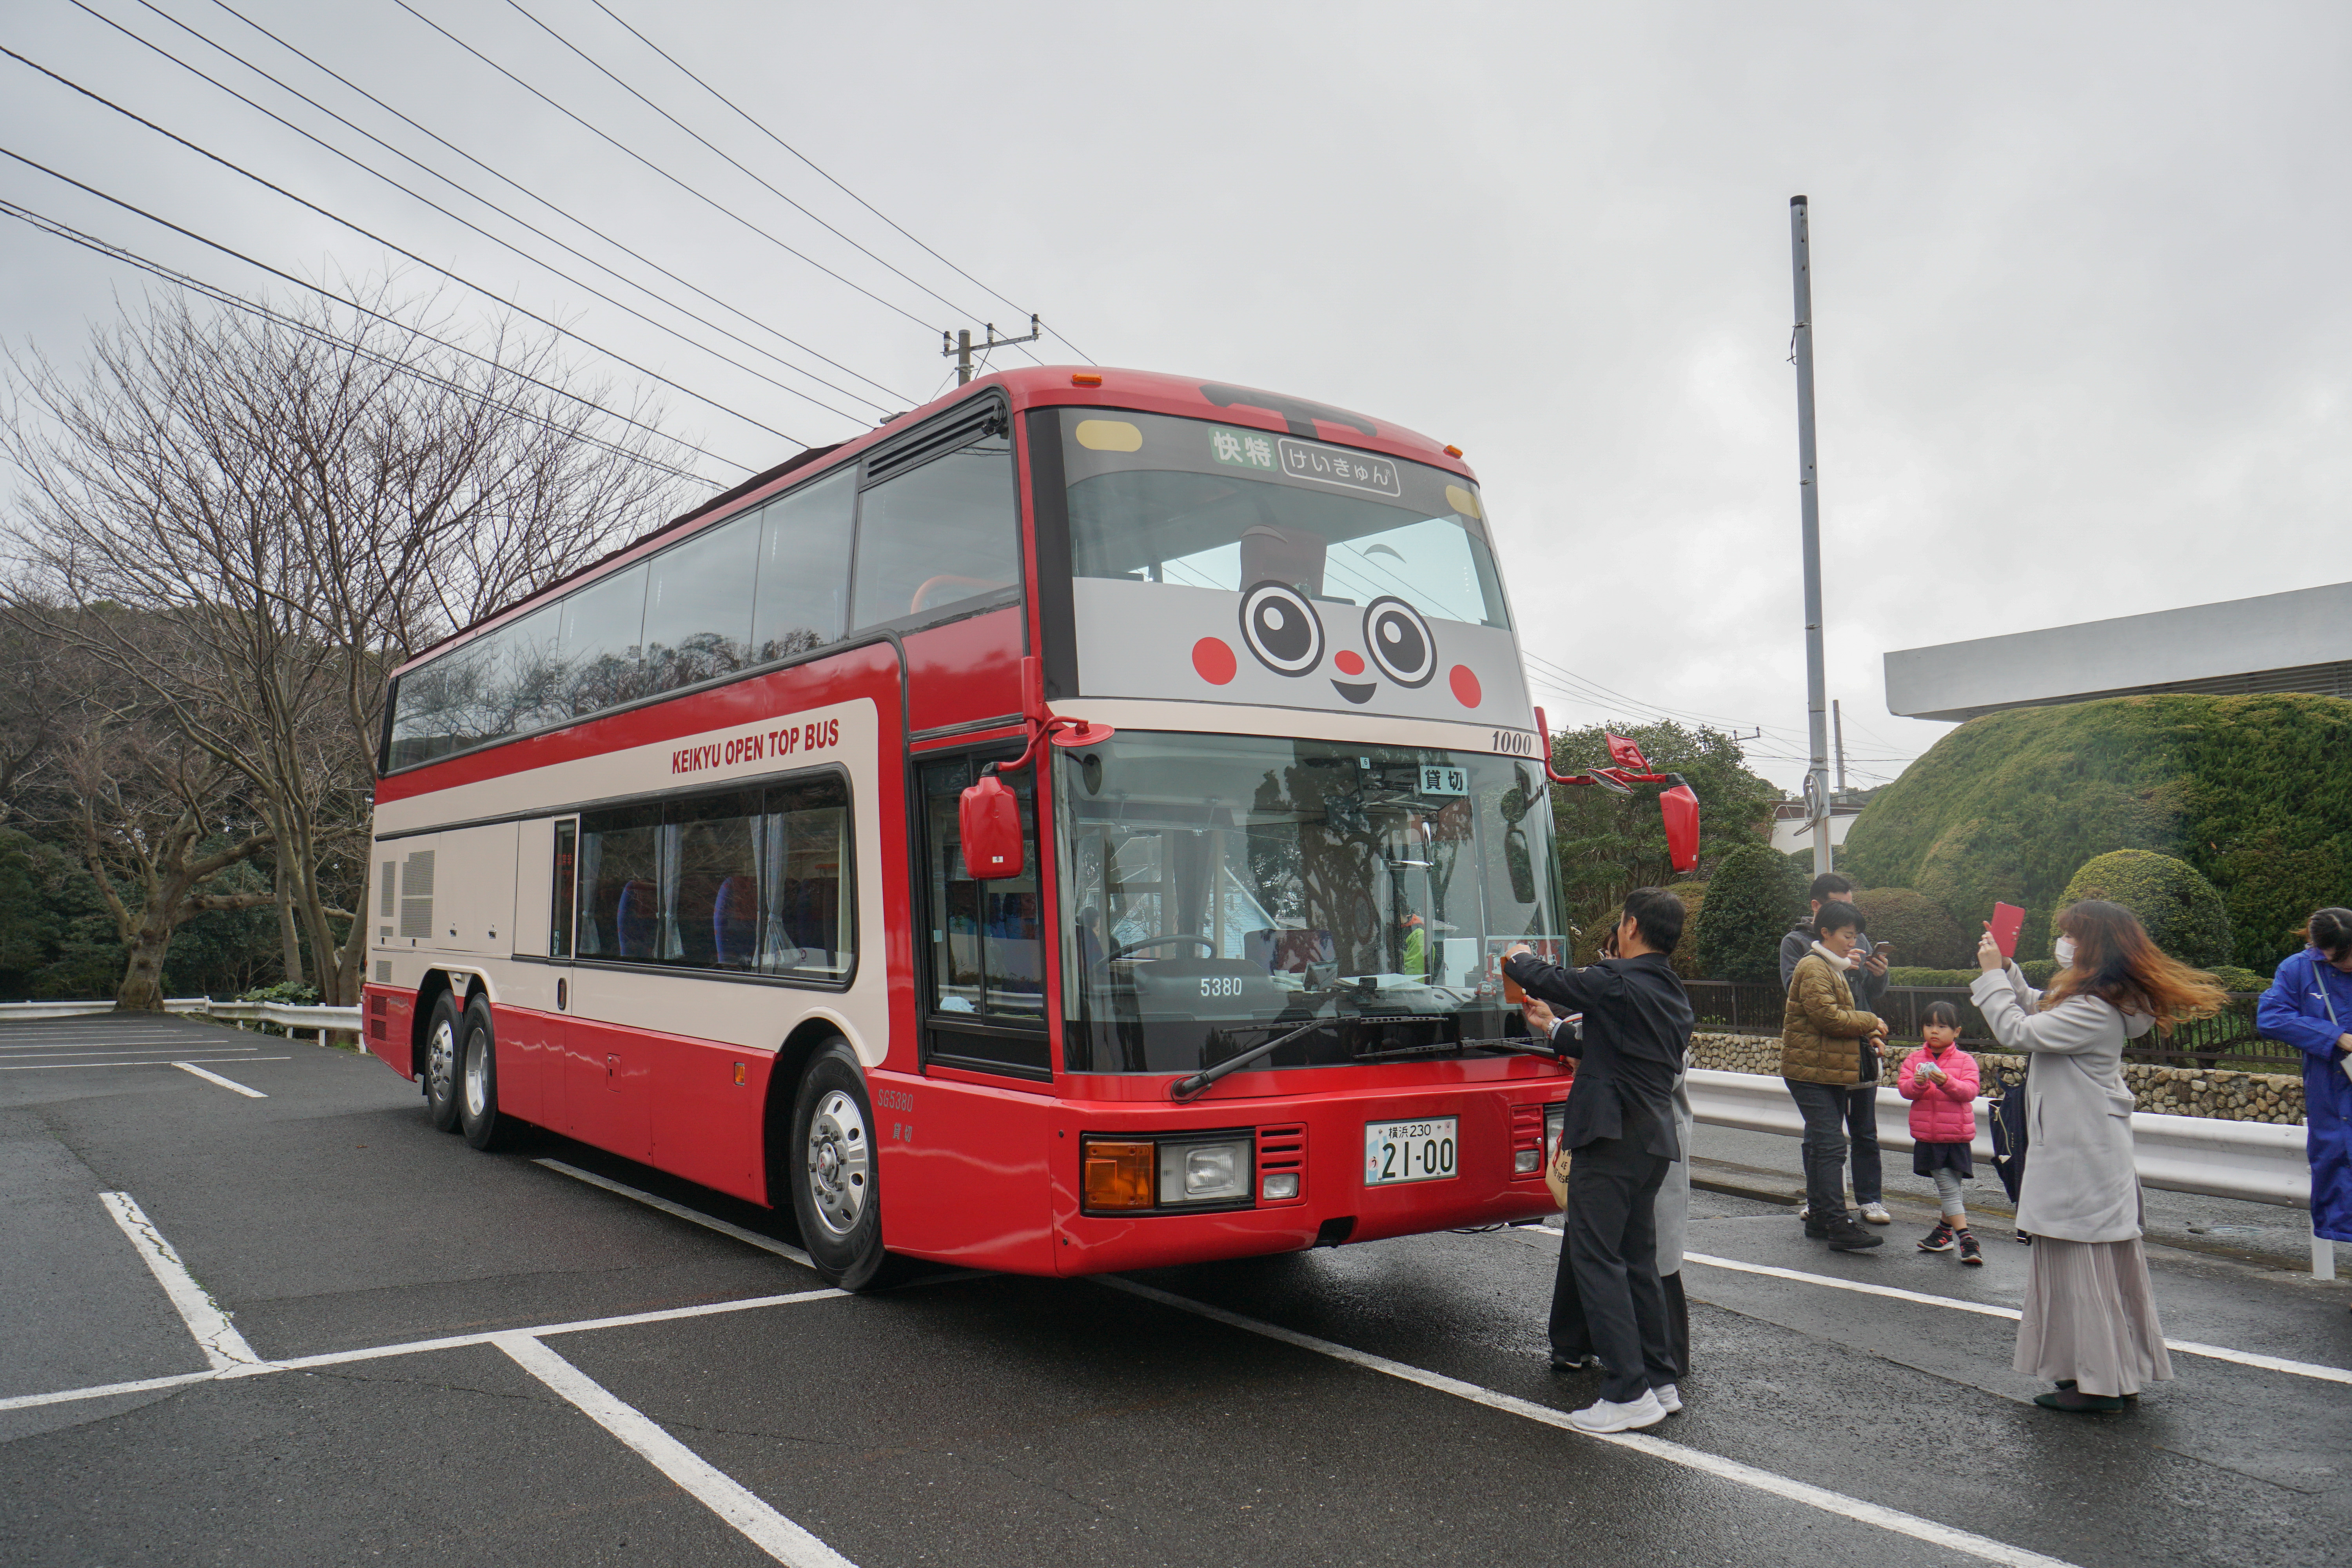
(1828, 1048)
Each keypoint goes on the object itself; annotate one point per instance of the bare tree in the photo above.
(305, 500)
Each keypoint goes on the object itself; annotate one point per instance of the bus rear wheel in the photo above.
(477, 1083)
(830, 1164)
(441, 1035)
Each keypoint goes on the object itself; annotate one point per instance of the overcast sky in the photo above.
(2083, 342)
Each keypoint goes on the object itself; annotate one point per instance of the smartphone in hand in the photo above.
(2007, 921)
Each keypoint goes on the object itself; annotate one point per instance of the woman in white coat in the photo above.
(2090, 1324)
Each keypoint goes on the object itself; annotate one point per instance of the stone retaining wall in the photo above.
(2173, 1091)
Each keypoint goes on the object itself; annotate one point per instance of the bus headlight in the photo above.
(1206, 1172)
(1118, 1174)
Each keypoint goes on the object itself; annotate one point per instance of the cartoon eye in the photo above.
(1400, 642)
(1282, 628)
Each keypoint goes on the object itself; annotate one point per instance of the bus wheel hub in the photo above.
(837, 1162)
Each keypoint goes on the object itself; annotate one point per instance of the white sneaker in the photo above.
(1670, 1399)
(1603, 1416)
(1876, 1214)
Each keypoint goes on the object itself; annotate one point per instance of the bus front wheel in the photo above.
(831, 1161)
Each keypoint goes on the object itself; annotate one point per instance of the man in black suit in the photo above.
(1619, 1125)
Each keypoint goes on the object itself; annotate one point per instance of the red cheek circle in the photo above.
(1465, 681)
(1349, 663)
(1213, 660)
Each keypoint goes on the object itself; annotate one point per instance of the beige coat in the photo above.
(2081, 1184)
(1821, 1030)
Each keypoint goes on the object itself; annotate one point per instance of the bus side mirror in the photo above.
(1679, 806)
(990, 816)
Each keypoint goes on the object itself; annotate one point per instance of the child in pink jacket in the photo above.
(1940, 1081)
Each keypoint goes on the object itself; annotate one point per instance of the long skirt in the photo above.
(2090, 1316)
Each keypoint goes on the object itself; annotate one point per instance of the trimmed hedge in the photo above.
(2038, 971)
(2178, 909)
(2255, 792)
(1694, 897)
(1751, 900)
(1917, 926)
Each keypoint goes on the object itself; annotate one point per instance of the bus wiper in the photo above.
(1185, 1088)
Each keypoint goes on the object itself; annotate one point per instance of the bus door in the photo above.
(984, 994)
(606, 1082)
(537, 1000)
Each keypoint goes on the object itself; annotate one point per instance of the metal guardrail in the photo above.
(2229, 1040)
(285, 1014)
(2254, 1162)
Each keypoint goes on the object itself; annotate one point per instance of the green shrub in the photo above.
(1694, 897)
(1915, 974)
(1751, 900)
(2233, 978)
(2251, 791)
(1917, 924)
(2178, 909)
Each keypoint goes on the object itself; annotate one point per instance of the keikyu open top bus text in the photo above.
(758, 746)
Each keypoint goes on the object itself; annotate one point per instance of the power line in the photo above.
(729, 159)
(520, 189)
(340, 299)
(398, 250)
(712, 202)
(746, 119)
(57, 229)
(495, 240)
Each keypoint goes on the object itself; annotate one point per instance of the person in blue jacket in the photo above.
(2309, 1005)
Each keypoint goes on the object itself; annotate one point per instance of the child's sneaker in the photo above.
(1938, 1240)
(1969, 1251)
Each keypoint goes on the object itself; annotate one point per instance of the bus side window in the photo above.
(803, 568)
(560, 903)
(699, 606)
(937, 535)
(987, 938)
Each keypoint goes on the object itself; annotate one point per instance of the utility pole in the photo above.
(1837, 729)
(959, 349)
(1817, 779)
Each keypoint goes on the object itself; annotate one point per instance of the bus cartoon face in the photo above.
(1220, 562)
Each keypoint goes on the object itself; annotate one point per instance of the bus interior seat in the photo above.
(639, 918)
(735, 922)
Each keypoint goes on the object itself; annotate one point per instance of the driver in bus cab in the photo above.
(1619, 1125)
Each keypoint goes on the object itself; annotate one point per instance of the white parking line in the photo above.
(16, 1054)
(53, 1066)
(215, 1078)
(766, 1529)
(414, 1347)
(2186, 1347)
(1877, 1514)
(765, 1243)
(215, 1334)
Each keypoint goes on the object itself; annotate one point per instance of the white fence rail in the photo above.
(2255, 1162)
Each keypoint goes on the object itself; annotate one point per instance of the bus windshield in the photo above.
(1222, 888)
(1155, 499)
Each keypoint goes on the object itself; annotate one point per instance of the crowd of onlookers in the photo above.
(2090, 1326)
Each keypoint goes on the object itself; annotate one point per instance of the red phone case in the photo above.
(2008, 919)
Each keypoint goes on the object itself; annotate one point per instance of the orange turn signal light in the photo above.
(1118, 1174)
(1453, 451)
(1085, 378)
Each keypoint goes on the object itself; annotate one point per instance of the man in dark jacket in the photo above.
(1867, 980)
(1619, 1124)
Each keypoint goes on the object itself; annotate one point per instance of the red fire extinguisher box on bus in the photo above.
(989, 816)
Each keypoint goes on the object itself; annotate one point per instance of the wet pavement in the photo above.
(1381, 1403)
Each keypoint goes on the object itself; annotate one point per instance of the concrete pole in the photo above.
(963, 356)
(1817, 778)
(1837, 729)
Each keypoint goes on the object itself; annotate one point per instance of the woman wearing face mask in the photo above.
(2090, 1324)
(2309, 1005)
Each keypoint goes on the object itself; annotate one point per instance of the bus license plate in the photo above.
(1397, 1152)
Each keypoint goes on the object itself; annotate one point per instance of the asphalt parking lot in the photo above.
(263, 1314)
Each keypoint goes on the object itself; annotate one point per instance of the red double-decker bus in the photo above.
(1074, 826)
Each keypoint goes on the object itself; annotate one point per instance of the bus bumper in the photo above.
(1323, 1140)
